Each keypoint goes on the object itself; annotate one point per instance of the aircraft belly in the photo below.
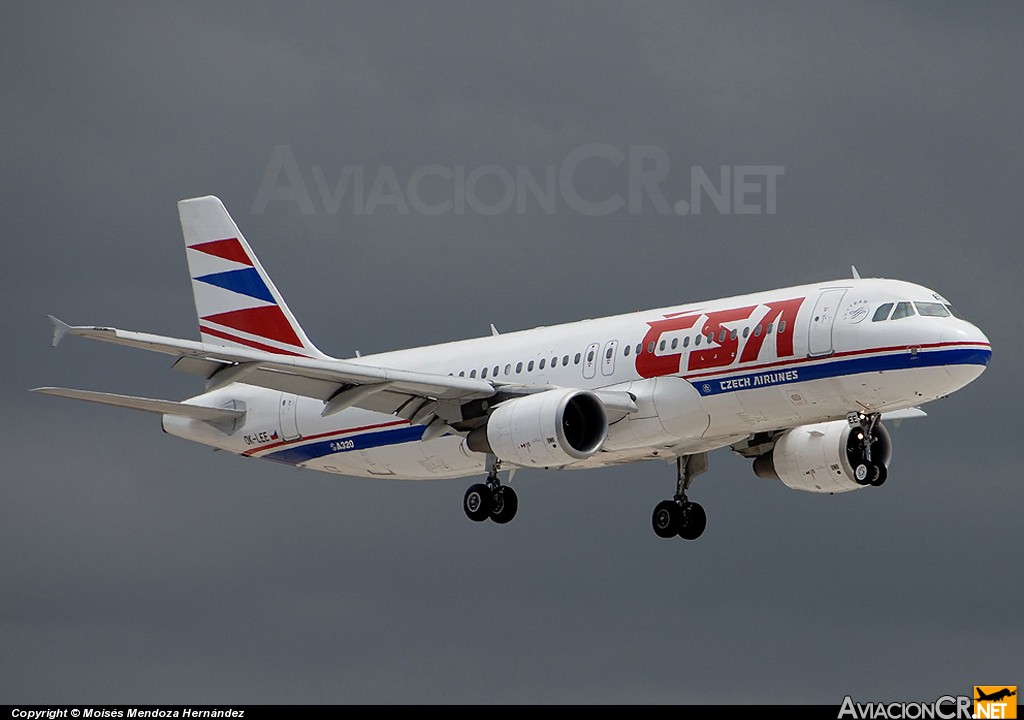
(415, 460)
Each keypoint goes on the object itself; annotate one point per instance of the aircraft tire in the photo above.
(862, 473)
(693, 521)
(477, 502)
(504, 505)
(878, 476)
(666, 519)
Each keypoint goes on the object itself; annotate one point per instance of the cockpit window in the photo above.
(953, 312)
(931, 309)
(882, 312)
(903, 309)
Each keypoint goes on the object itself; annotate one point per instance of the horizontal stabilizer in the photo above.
(169, 407)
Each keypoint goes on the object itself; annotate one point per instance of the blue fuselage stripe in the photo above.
(903, 360)
(311, 451)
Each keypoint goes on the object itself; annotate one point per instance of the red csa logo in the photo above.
(724, 349)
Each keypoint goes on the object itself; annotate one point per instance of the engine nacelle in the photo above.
(546, 429)
(821, 457)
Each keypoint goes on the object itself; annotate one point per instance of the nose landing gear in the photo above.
(863, 450)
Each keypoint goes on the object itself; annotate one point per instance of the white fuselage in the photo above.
(703, 375)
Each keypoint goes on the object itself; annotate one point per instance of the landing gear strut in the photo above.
(679, 516)
(491, 499)
(868, 467)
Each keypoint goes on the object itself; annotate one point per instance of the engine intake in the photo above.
(547, 429)
(822, 457)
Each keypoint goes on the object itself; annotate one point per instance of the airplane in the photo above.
(796, 379)
(996, 696)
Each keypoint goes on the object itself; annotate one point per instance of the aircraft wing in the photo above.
(339, 383)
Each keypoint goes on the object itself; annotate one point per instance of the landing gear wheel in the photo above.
(861, 473)
(504, 504)
(666, 519)
(879, 474)
(693, 521)
(477, 502)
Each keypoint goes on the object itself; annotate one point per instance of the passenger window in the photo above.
(508, 369)
(696, 340)
(746, 332)
(577, 359)
(930, 309)
(638, 348)
(782, 326)
(495, 371)
(625, 350)
(650, 346)
(686, 341)
(882, 312)
(757, 331)
(565, 359)
(590, 356)
(608, 354)
(462, 373)
(529, 366)
(675, 343)
(540, 365)
(903, 309)
(554, 362)
(472, 373)
(661, 346)
(483, 373)
(733, 335)
(519, 367)
(768, 330)
(710, 338)
(721, 336)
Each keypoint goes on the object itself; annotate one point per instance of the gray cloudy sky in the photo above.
(139, 568)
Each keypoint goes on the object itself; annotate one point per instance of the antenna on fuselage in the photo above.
(856, 275)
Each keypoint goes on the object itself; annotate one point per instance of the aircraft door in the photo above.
(287, 415)
(608, 357)
(590, 361)
(819, 334)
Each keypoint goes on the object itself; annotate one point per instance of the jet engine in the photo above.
(827, 457)
(546, 429)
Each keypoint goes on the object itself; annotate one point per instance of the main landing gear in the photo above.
(679, 516)
(864, 450)
(491, 499)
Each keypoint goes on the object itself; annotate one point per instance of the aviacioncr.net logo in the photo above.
(995, 701)
(947, 707)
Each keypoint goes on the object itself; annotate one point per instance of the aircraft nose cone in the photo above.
(969, 350)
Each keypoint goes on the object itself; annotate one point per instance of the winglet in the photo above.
(60, 329)
(856, 275)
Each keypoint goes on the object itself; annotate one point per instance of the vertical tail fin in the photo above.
(237, 303)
